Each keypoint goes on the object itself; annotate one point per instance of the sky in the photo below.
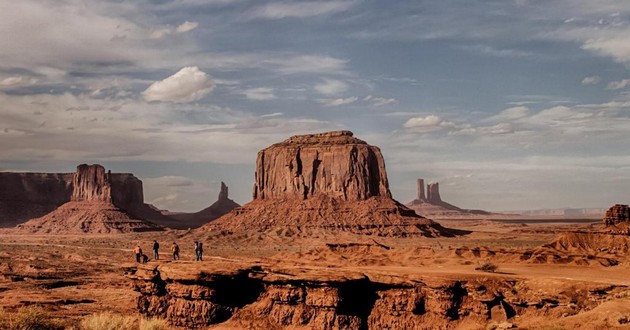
(509, 104)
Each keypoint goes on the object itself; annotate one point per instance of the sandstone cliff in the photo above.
(334, 164)
(222, 206)
(25, 196)
(255, 295)
(328, 181)
(617, 214)
(90, 210)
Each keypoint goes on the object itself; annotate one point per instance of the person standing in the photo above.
(197, 251)
(175, 250)
(138, 252)
(156, 248)
(200, 251)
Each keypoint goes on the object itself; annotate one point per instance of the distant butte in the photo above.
(90, 210)
(329, 181)
(222, 206)
(432, 205)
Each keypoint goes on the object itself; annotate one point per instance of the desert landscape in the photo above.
(322, 245)
(314, 165)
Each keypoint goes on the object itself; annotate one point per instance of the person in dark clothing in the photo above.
(200, 251)
(145, 258)
(175, 250)
(197, 251)
(156, 248)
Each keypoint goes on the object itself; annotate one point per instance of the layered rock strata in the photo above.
(90, 210)
(25, 196)
(617, 214)
(330, 181)
(253, 295)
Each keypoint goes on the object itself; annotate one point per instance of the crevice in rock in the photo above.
(357, 298)
(458, 292)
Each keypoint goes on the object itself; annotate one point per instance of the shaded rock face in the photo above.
(334, 164)
(251, 296)
(25, 196)
(617, 214)
(420, 190)
(91, 183)
(223, 194)
(433, 193)
(330, 181)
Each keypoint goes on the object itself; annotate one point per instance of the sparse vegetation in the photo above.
(110, 321)
(28, 318)
(487, 267)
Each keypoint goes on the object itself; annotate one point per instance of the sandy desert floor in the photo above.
(74, 276)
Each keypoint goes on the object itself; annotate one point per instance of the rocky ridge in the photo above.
(241, 294)
(329, 181)
(91, 209)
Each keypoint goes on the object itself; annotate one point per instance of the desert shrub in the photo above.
(109, 321)
(488, 267)
(153, 324)
(28, 318)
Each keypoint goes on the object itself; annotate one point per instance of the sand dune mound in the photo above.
(86, 217)
(330, 181)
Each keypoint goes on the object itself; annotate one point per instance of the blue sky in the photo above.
(508, 104)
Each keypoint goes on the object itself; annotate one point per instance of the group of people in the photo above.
(143, 258)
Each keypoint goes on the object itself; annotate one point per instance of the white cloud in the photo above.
(307, 64)
(428, 121)
(301, 9)
(17, 81)
(379, 101)
(160, 33)
(592, 80)
(621, 84)
(187, 85)
(510, 114)
(331, 87)
(260, 93)
(338, 102)
(186, 27)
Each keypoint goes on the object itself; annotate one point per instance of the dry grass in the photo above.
(110, 321)
(28, 318)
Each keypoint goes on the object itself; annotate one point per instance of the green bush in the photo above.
(28, 318)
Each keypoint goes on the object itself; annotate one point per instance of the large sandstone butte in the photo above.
(24, 196)
(222, 206)
(432, 204)
(90, 210)
(617, 214)
(330, 181)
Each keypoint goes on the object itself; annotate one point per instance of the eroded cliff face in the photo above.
(237, 294)
(25, 196)
(334, 164)
(329, 181)
(617, 214)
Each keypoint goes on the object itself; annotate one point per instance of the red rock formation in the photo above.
(334, 164)
(433, 193)
(329, 181)
(433, 206)
(25, 196)
(617, 214)
(91, 209)
(420, 190)
(222, 206)
(91, 183)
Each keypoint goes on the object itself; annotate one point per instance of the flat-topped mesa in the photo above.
(91, 183)
(333, 164)
(617, 214)
(433, 193)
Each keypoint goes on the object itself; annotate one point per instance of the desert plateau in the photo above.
(314, 165)
(322, 245)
